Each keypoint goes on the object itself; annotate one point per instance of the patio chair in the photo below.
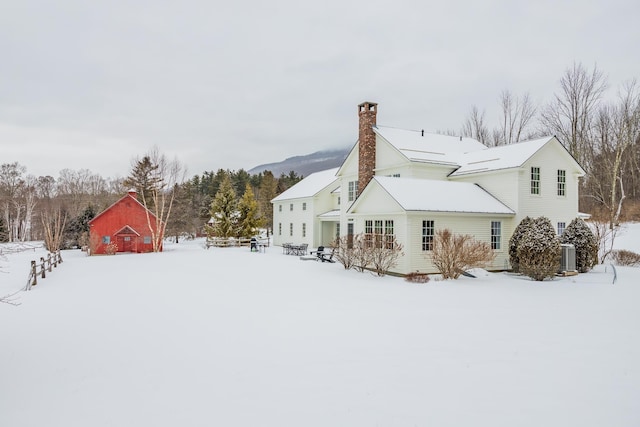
(328, 258)
(318, 253)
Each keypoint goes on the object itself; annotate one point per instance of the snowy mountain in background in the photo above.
(307, 164)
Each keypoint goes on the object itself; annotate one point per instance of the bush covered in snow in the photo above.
(582, 238)
(515, 240)
(539, 250)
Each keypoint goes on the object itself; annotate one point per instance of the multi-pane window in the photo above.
(428, 233)
(496, 234)
(388, 234)
(279, 208)
(368, 233)
(353, 190)
(535, 180)
(279, 229)
(106, 239)
(338, 200)
(290, 206)
(561, 227)
(290, 229)
(562, 182)
(304, 206)
(147, 240)
(378, 233)
(304, 230)
(337, 230)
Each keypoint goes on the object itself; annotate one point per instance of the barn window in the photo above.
(147, 240)
(106, 239)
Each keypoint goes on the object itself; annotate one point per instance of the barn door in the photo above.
(126, 244)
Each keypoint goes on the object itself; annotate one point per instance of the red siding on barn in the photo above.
(123, 223)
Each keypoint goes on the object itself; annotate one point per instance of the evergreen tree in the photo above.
(582, 238)
(539, 250)
(77, 230)
(248, 219)
(144, 179)
(224, 211)
(515, 240)
(266, 192)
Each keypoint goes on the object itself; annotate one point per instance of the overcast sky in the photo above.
(235, 84)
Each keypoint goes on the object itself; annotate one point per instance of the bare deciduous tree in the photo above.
(570, 115)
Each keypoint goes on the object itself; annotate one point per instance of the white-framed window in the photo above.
(304, 206)
(279, 229)
(496, 235)
(279, 208)
(378, 233)
(106, 239)
(338, 200)
(353, 190)
(337, 230)
(535, 180)
(561, 227)
(290, 206)
(304, 229)
(428, 234)
(562, 182)
(290, 229)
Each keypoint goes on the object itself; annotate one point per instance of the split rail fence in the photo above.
(40, 269)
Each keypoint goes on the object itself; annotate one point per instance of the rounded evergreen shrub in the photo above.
(582, 238)
(520, 230)
(539, 250)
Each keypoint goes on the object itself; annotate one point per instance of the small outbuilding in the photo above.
(125, 226)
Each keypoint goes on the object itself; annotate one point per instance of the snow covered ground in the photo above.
(225, 337)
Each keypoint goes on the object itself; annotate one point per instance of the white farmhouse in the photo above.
(408, 184)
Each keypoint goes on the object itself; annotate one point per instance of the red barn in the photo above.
(125, 224)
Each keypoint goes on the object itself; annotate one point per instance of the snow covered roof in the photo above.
(441, 196)
(503, 157)
(309, 186)
(429, 147)
(331, 214)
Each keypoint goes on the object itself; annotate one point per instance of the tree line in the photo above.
(57, 210)
(598, 125)
(599, 129)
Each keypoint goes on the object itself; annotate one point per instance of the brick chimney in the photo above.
(366, 143)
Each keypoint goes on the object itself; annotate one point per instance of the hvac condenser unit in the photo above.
(567, 257)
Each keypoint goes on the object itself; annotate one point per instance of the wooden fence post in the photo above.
(42, 266)
(34, 273)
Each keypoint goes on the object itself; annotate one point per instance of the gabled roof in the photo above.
(117, 202)
(310, 186)
(504, 157)
(126, 230)
(421, 146)
(414, 194)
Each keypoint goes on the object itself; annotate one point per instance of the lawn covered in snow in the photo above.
(225, 337)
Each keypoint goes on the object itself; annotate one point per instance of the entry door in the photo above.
(126, 244)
